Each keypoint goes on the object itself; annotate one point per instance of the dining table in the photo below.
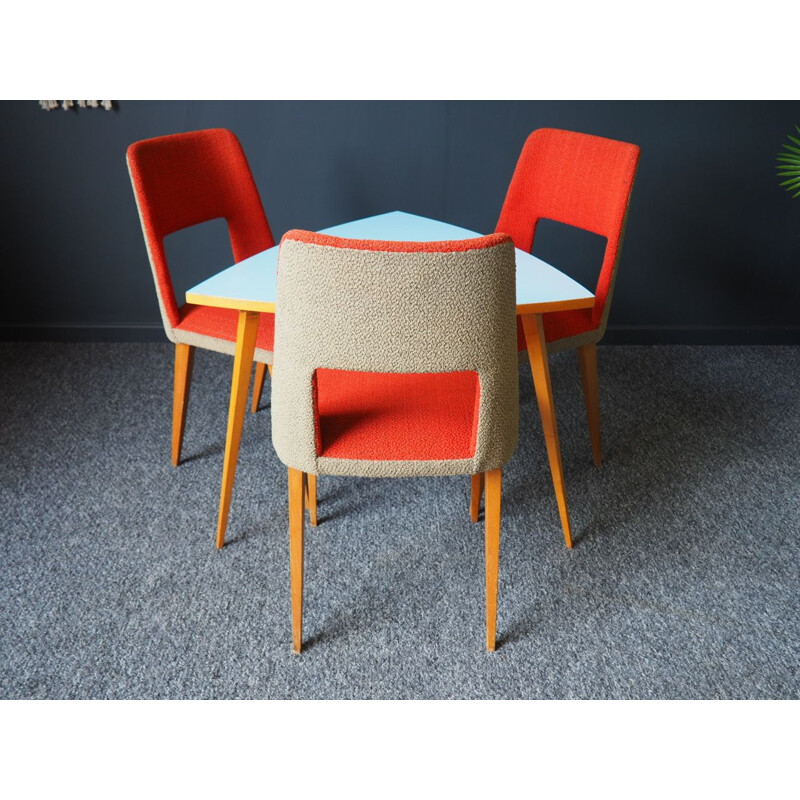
(250, 287)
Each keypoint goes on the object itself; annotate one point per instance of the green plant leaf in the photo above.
(788, 165)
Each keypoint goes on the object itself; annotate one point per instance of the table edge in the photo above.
(236, 305)
(545, 307)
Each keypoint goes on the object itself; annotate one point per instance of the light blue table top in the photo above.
(250, 285)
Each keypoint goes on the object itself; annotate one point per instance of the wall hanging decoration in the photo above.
(49, 105)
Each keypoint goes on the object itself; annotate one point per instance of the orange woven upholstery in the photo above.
(396, 416)
(579, 180)
(188, 178)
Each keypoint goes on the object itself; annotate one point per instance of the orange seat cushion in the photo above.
(560, 324)
(221, 324)
(396, 416)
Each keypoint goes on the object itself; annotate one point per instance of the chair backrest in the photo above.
(188, 178)
(577, 179)
(395, 307)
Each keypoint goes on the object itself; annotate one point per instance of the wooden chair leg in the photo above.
(296, 486)
(258, 385)
(494, 483)
(184, 363)
(310, 497)
(476, 492)
(587, 358)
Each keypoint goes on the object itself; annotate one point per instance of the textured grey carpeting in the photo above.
(683, 582)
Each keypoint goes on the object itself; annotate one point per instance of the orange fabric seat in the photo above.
(221, 324)
(396, 416)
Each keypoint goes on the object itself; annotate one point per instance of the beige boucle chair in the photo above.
(395, 359)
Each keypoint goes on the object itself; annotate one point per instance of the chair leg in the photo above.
(587, 358)
(494, 483)
(475, 496)
(258, 385)
(296, 484)
(310, 497)
(184, 363)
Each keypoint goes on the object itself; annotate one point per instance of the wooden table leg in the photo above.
(242, 366)
(540, 368)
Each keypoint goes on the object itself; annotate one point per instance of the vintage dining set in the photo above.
(393, 341)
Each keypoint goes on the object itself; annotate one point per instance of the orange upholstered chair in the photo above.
(584, 181)
(180, 181)
(395, 359)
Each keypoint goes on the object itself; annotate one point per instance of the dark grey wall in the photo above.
(712, 250)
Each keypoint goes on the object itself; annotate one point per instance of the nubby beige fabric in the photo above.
(383, 310)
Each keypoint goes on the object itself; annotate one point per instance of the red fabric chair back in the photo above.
(576, 179)
(188, 178)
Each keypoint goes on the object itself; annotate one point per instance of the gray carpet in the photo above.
(683, 582)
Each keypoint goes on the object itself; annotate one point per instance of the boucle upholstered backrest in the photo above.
(188, 178)
(577, 179)
(400, 307)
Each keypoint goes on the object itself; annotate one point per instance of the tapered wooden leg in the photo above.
(587, 358)
(540, 368)
(494, 482)
(296, 486)
(475, 496)
(310, 497)
(258, 385)
(242, 366)
(184, 363)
